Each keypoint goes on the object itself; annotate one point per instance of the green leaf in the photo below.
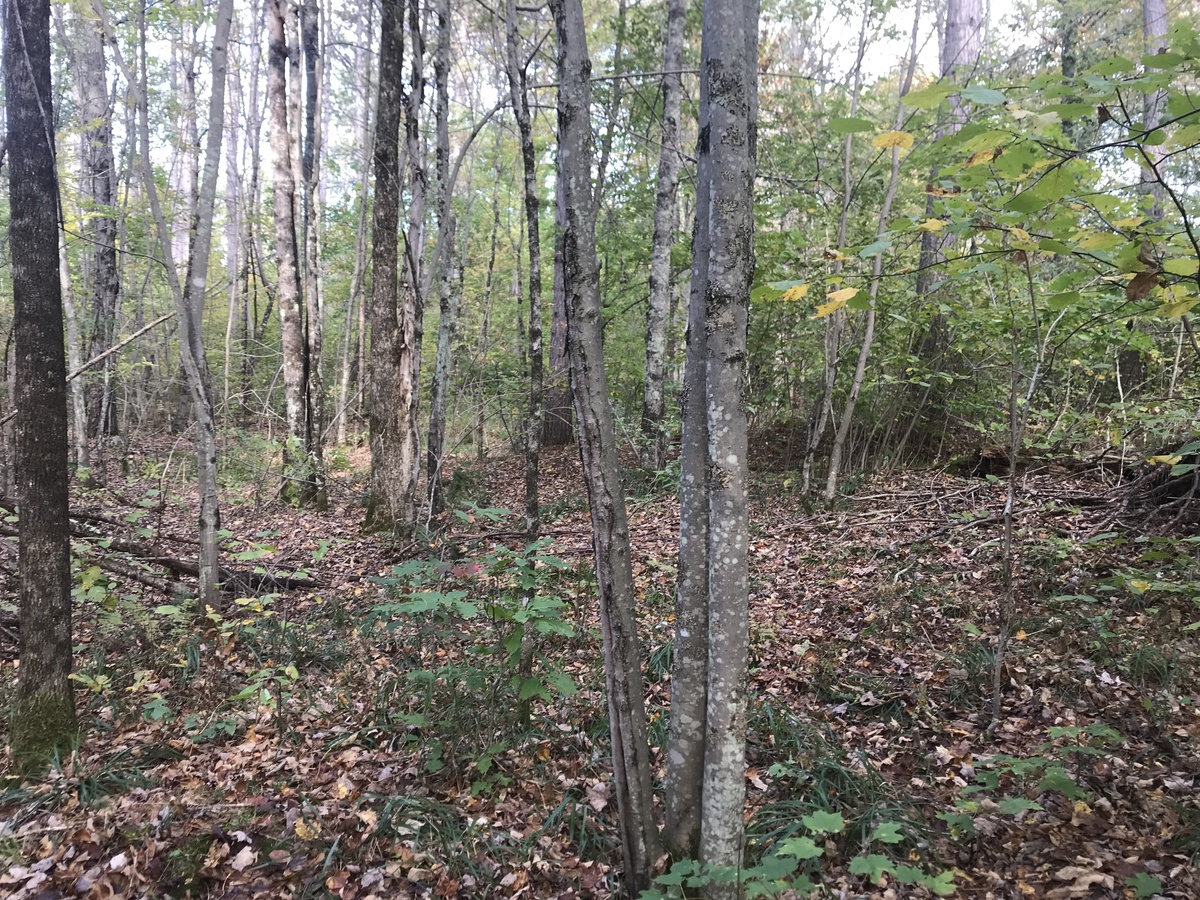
(844, 125)
(872, 865)
(1055, 184)
(533, 687)
(909, 874)
(800, 847)
(1144, 885)
(982, 96)
(941, 884)
(1117, 65)
(1057, 779)
(822, 821)
(887, 833)
(1184, 266)
(927, 97)
(1012, 806)
(562, 683)
(1062, 300)
(875, 248)
(1026, 202)
(167, 610)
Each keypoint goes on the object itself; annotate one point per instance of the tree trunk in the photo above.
(558, 429)
(533, 421)
(43, 718)
(447, 296)
(314, 303)
(598, 449)
(684, 781)
(189, 296)
(302, 470)
(728, 127)
(391, 454)
(98, 184)
(653, 400)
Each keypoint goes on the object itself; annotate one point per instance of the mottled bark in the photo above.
(43, 717)
(598, 450)
(669, 159)
(533, 421)
(684, 781)
(728, 126)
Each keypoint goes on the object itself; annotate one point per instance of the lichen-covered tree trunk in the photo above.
(517, 78)
(669, 159)
(728, 127)
(44, 708)
(391, 468)
(598, 450)
(684, 781)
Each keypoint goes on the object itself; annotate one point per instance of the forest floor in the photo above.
(365, 738)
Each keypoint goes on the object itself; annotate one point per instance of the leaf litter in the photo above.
(303, 761)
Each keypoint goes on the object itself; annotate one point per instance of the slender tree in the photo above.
(598, 449)
(669, 159)
(517, 69)
(44, 706)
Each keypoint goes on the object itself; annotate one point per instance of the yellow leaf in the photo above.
(932, 225)
(1131, 222)
(796, 292)
(1022, 634)
(837, 299)
(835, 255)
(1169, 460)
(980, 158)
(306, 831)
(1139, 585)
(1176, 310)
(1020, 234)
(888, 139)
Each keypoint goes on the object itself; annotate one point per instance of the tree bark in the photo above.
(447, 296)
(302, 470)
(598, 450)
(391, 504)
(728, 128)
(44, 707)
(653, 396)
(517, 82)
(558, 427)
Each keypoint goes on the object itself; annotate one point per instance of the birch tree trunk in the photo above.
(517, 78)
(43, 718)
(669, 159)
(597, 447)
(302, 471)
(728, 128)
